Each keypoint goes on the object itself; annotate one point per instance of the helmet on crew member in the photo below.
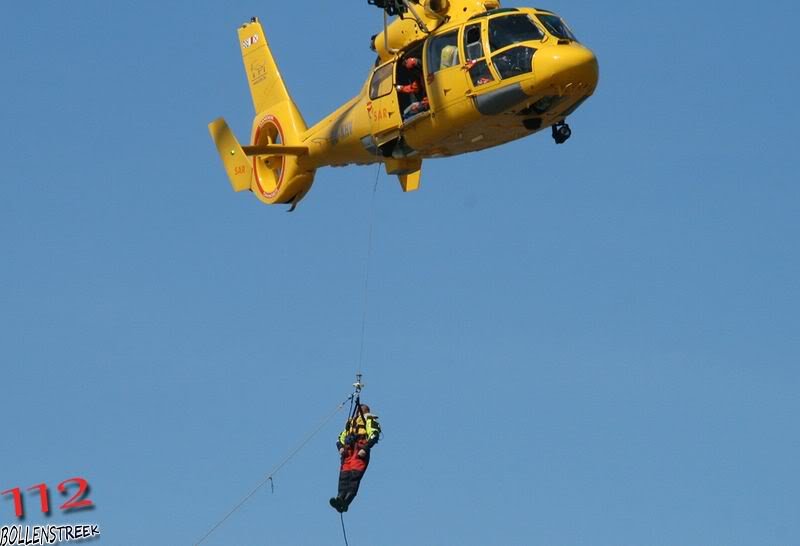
(411, 62)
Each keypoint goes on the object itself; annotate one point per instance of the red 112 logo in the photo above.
(77, 501)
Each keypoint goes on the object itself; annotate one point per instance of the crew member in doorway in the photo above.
(360, 433)
(417, 98)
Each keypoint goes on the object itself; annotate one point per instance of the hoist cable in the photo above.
(275, 470)
(366, 272)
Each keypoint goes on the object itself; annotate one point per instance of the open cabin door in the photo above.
(385, 117)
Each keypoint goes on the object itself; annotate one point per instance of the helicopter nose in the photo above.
(567, 67)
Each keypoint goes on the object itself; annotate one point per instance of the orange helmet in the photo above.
(411, 62)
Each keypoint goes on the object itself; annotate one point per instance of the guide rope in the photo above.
(275, 470)
(344, 533)
(353, 397)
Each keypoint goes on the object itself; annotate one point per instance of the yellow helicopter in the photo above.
(451, 77)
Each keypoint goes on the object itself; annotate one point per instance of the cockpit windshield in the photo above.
(556, 26)
(512, 29)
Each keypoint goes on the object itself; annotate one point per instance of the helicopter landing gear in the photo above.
(561, 132)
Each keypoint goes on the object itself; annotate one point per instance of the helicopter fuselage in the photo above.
(467, 78)
(488, 92)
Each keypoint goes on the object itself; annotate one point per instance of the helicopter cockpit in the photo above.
(466, 58)
(512, 40)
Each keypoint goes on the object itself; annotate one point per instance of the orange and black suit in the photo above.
(355, 443)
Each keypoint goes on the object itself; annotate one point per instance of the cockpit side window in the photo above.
(473, 49)
(442, 52)
(381, 82)
(514, 61)
(512, 29)
(557, 27)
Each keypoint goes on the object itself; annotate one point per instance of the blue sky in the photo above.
(588, 344)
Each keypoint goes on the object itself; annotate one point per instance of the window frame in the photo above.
(469, 63)
(505, 51)
(531, 18)
(373, 90)
(428, 47)
(542, 18)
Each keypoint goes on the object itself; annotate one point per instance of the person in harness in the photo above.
(361, 432)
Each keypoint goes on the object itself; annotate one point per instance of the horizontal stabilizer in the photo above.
(275, 149)
(237, 164)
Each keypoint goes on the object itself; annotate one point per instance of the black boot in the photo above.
(338, 504)
(348, 498)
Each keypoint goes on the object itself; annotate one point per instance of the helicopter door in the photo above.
(383, 108)
(475, 64)
(446, 83)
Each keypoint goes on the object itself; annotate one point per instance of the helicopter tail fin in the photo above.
(277, 172)
(266, 84)
(237, 164)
